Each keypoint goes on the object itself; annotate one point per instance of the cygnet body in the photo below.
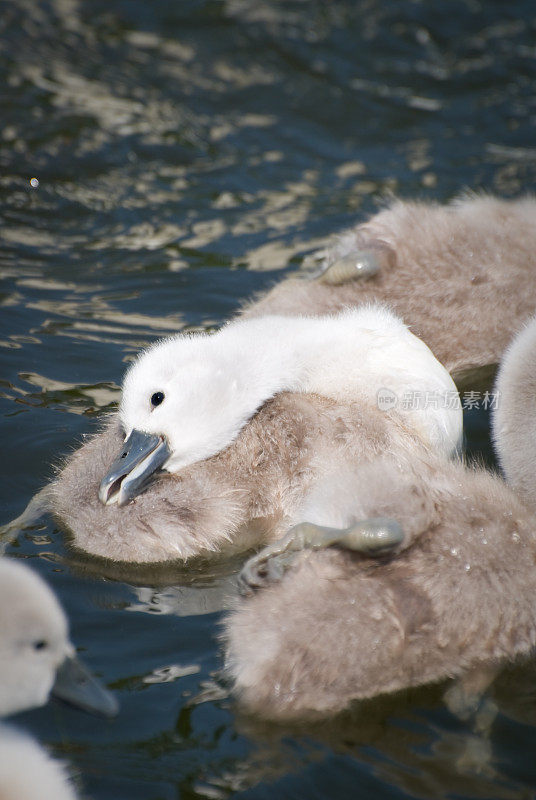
(27, 772)
(457, 601)
(460, 275)
(514, 427)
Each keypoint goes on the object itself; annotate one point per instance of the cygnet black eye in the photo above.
(157, 398)
(42, 644)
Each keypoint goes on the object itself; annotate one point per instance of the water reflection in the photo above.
(184, 601)
(406, 741)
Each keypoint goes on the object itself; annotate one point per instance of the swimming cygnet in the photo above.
(322, 627)
(460, 275)
(249, 492)
(36, 656)
(37, 659)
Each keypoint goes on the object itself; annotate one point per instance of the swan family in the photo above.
(323, 426)
(37, 659)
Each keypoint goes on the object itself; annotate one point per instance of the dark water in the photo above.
(189, 154)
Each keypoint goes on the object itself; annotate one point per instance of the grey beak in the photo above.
(142, 454)
(77, 686)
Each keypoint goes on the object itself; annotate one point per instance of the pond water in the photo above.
(187, 154)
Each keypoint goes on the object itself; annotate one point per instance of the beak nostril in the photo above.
(124, 455)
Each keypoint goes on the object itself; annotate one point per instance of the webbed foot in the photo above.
(360, 264)
(374, 537)
(39, 504)
(260, 571)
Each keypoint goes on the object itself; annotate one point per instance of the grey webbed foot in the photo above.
(374, 537)
(259, 572)
(361, 264)
(40, 504)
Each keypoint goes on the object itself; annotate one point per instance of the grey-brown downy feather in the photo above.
(462, 278)
(340, 627)
(243, 497)
(458, 601)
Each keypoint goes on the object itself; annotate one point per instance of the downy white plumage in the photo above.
(187, 398)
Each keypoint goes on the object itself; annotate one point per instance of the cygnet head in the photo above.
(188, 390)
(36, 654)
(184, 400)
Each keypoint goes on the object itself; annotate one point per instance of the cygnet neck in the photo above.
(353, 355)
(334, 356)
(272, 354)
